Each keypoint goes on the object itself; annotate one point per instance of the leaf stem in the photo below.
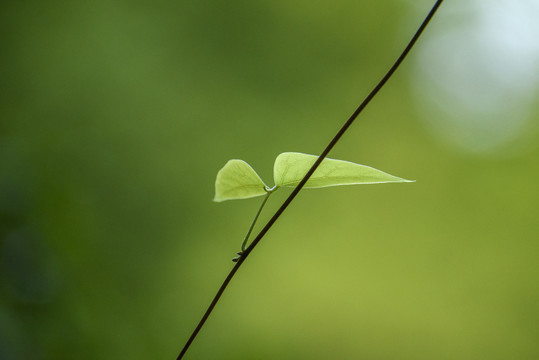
(297, 189)
(244, 243)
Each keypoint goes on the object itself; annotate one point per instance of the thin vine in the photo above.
(242, 256)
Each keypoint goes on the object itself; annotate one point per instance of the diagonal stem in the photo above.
(297, 189)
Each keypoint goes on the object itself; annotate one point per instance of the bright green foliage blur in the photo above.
(115, 117)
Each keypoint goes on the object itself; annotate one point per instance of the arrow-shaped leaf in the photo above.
(291, 167)
(238, 180)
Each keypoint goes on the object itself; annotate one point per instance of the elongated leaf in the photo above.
(237, 180)
(291, 167)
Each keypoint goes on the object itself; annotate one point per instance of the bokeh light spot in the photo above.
(481, 72)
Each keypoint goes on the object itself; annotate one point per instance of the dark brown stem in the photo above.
(297, 189)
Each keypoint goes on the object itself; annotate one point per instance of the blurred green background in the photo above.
(117, 115)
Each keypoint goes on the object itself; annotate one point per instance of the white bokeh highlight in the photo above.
(480, 71)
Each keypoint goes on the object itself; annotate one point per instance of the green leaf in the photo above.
(291, 167)
(238, 180)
